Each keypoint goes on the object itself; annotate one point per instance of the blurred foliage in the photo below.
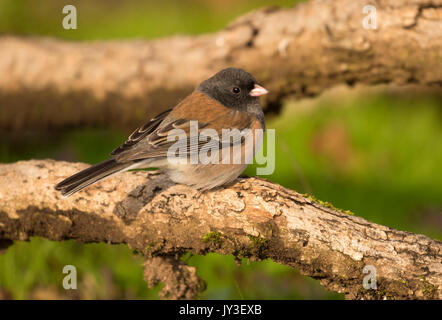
(34, 270)
(375, 153)
(127, 19)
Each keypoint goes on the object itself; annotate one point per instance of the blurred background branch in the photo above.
(294, 52)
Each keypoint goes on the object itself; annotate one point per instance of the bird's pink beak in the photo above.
(258, 91)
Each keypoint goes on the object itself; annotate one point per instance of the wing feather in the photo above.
(141, 132)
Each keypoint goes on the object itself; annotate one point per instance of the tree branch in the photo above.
(300, 51)
(251, 218)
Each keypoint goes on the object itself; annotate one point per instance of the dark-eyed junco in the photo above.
(227, 103)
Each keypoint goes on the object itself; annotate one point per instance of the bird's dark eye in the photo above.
(236, 90)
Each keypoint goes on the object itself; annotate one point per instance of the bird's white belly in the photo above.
(206, 176)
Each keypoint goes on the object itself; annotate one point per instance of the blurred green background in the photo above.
(375, 151)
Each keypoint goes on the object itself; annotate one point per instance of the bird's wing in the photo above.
(141, 132)
(156, 143)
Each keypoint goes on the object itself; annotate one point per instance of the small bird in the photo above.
(227, 100)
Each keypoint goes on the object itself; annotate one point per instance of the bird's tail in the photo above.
(90, 175)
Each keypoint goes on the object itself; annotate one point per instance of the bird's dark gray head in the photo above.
(234, 88)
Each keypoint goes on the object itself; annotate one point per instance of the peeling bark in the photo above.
(294, 52)
(180, 280)
(250, 218)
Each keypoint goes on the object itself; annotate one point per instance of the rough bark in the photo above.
(251, 218)
(300, 51)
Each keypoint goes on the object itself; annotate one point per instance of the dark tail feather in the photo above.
(90, 175)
